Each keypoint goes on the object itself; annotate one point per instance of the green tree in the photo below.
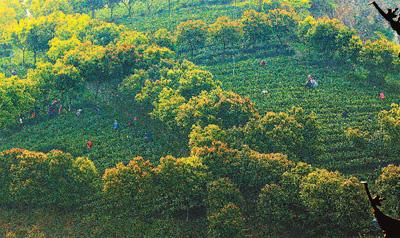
(181, 185)
(127, 188)
(256, 27)
(164, 38)
(193, 82)
(380, 59)
(273, 210)
(388, 184)
(335, 201)
(200, 136)
(389, 122)
(54, 179)
(294, 133)
(225, 32)
(40, 32)
(223, 108)
(227, 222)
(221, 192)
(191, 35)
(17, 98)
(111, 4)
(328, 37)
(283, 24)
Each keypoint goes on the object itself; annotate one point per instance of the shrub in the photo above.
(359, 138)
(191, 35)
(379, 58)
(227, 222)
(389, 122)
(256, 27)
(128, 187)
(223, 108)
(294, 133)
(335, 201)
(55, 179)
(388, 184)
(221, 192)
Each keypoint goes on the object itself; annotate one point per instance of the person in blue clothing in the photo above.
(115, 125)
(148, 136)
(311, 82)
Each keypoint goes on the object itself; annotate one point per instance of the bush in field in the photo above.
(193, 82)
(256, 27)
(389, 122)
(200, 136)
(58, 47)
(54, 179)
(273, 209)
(227, 222)
(223, 108)
(221, 192)
(58, 79)
(191, 35)
(102, 33)
(128, 187)
(164, 38)
(294, 133)
(379, 58)
(284, 24)
(359, 138)
(225, 32)
(388, 184)
(249, 170)
(180, 185)
(333, 200)
(328, 36)
(166, 107)
(17, 98)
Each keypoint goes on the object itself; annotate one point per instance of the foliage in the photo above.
(389, 121)
(294, 133)
(227, 222)
(223, 108)
(191, 35)
(181, 185)
(17, 97)
(164, 38)
(221, 192)
(256, 27)
(328, 36)
(54, 179)
(388, 183)
(335, 200)
(225, 32)
(379, 58)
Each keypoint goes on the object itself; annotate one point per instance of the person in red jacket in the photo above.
(382, 95)
(89, 144)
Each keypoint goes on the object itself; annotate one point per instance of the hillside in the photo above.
(202, 129)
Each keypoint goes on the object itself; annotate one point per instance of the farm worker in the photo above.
(89, 144)
(148, 136)
(133, 121)
(311, 82)
(345, 114)
(263, 63)
(78, 112)
(115, 125)
(33, 114)
(13, 72)
(382, 95)
(20, 121)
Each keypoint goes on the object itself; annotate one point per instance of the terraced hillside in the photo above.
(278, 86)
